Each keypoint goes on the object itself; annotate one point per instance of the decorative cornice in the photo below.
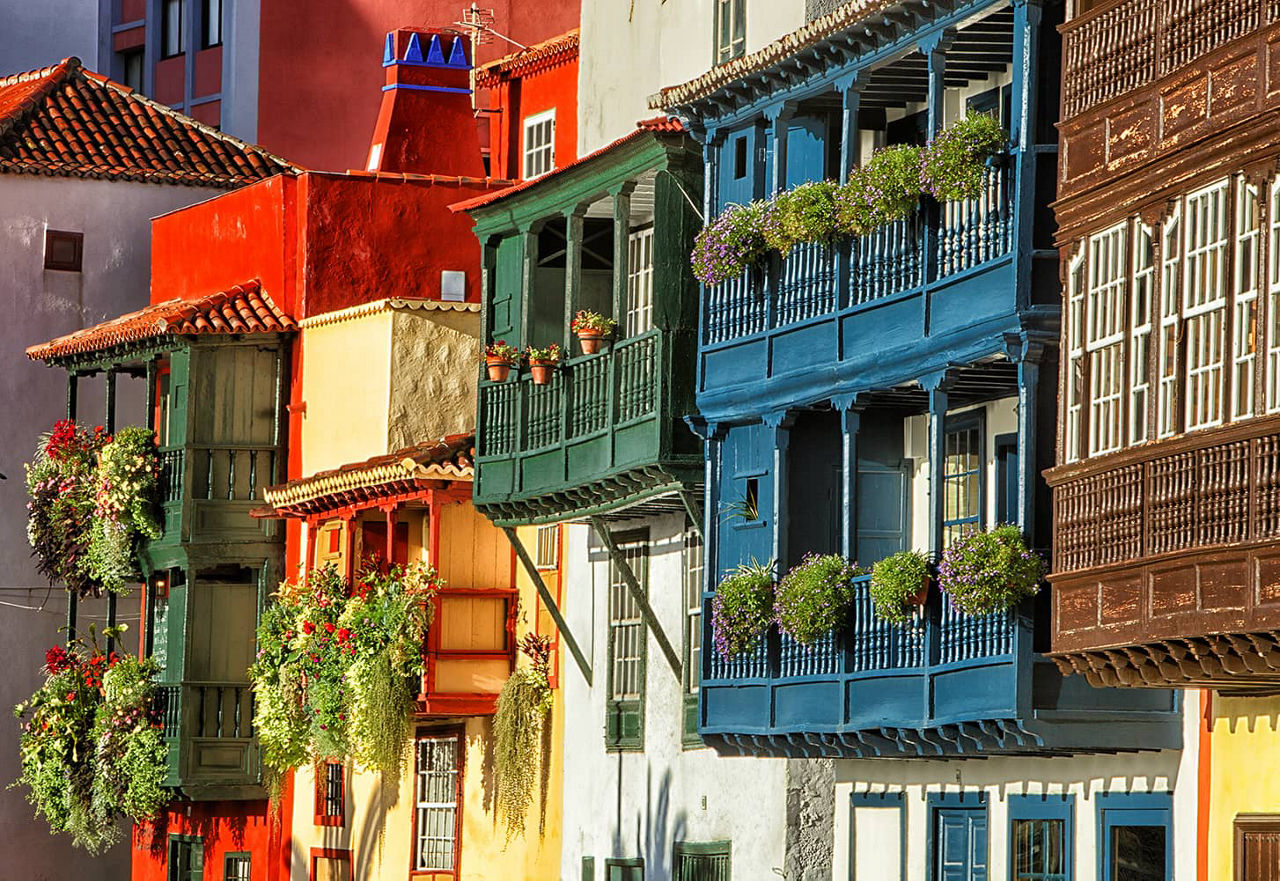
(376, 307)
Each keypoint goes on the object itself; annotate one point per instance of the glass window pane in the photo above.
(1137, 853)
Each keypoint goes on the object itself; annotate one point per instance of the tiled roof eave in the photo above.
(533, 59)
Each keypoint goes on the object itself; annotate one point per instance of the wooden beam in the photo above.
(638, 594)
(549, 601)
(693, 508)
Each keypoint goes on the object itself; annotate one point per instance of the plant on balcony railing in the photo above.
(499, 358)
(518, 724)
(337, 669)
(900, 585)
(815, 597)
(591, 328)
(93, 496)
(993, 571)
(542, 360)
(886, 189)
(742, 610)
(91, 747)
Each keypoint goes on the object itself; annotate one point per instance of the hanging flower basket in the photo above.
(987, 572)
(900, 586)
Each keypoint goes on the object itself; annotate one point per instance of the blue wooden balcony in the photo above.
(947, 684)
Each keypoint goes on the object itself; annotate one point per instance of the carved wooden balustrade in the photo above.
(1167, 561)
(1121, 46)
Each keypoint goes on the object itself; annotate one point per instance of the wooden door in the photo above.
(960, 844)
(1257, 847)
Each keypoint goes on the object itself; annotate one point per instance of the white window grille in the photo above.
(1075, 356)
(1140, 323)
(639, 282)
(1273, 306)
(1244, 346)
(539, 144)
(693, 608)
(1104, 339)
(626, 627)
(436, 802)
(548, 549)
(1204, 302)
(1167, 421)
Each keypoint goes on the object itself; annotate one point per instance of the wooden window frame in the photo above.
(692, 619)
(892, 800)
(616, 709)
(529, 152)
(206, 23)
(464, 703)
(236, 855)
(1143, 270)
(195, 841)
(970, 420)
(1032, 808)
(322, 815)
(720, 848)
(329, 853)
(1107, 274)
(1244, 294)
(1116, 809)
(540, 562)
(458, 732)
(179, 42)
(54, 237)
(1245, 823)
(731, 45)
(638, 314)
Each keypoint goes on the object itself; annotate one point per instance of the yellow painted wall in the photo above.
(1244, 770)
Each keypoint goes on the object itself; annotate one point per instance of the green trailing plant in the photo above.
(742, 609)
(897, 582)
(127, 505)
(953, 163)
(90, 748)
(523, 705)
(987, 572)
(886, 189)
(336, 667)
(814, 598)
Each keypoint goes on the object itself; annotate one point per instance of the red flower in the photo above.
(288, 635)
(56, 660)
(308, 628)
(328, 627)
(71, 695)
(344, 634)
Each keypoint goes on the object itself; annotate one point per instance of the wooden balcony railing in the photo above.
(211, 709)
(220, 472)
(814, 280)
(1121, 46)
(1202, 490)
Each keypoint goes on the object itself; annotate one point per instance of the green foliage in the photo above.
(730, 243)
(803, 214)
(815, 597)
(91, 749)
(335, 667)
(586, 321)
(896, 581)
(986, 572)
(549, 354)
(953, 163)
(742, 609)
(523, 705)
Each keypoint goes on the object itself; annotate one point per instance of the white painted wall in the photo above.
(37, 306)
(640, 804)
(35, 35)
(1082, 776)
(631, 50)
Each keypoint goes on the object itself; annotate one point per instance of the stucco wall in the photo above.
(641, 804)
(1084, 777)
(631, 50)
(39, 305)
(434, 360)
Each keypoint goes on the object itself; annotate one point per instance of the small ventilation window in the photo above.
(63, 251)
(740, 158)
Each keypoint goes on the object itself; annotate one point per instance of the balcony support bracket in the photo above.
(552, 608)
(693, 508)
(639, 594)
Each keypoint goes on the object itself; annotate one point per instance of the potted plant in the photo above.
(541, 360)
(814, 598)
(742, 609)
(900, 585)
(591, 328)
(500, 358)
(953, 165)
(986, 572)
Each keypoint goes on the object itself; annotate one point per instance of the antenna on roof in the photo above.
(480, 23)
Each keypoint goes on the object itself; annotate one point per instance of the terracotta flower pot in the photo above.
(591, 341)
(922, 595)
(541, 371)
(498, 368)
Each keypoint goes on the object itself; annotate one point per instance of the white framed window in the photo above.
(731, 29)
(1204, 301)
(437, 793)
(626, 625)
(1244, 347)
(1140, 305)
(539, 144)
(548, 549)
(693, 561)
(1075, 355)
(1167, 421)
(639, 282)
(1104, 340)
(1273, 305)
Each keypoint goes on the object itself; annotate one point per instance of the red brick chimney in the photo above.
(426, 125)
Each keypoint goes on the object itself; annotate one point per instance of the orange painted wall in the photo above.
(224, 827)
(320, 73)
(513, 100)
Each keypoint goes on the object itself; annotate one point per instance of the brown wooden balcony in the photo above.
(1167, 562)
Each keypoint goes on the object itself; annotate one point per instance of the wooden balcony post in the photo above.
(574, 220)
(1026, 64)
(149, 395)
(488, 281)
(621, 255)
(109, 417)
(392, 514)
(937, 386)
(779, 116)
(851, 102)
(349, 547)
(934, 48)
(1029, 353)
(528, 274)
(850, 422)
(780, 421)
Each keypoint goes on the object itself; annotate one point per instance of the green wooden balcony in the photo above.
(605, 433)
(208, 727)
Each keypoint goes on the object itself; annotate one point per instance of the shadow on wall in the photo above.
(657, 829)
(374, 826)
(209, 829)
(1249, 715)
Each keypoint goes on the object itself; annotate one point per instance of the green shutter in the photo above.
(588, 869)
(702, 861)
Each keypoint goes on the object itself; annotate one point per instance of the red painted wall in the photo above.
(513, 100)
(225, 827)
(320, 73)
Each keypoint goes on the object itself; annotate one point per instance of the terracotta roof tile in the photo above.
(244, 308)
(537, 57)
(848, 16)
(660, 125)
(67, 121)
(397, 473)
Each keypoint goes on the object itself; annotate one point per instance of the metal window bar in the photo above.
(436, 803)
